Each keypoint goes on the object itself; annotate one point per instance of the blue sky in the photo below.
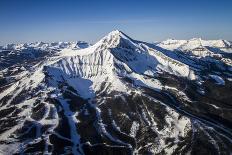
(89, 20)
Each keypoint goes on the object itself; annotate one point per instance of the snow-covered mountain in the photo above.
(198, 47)
(46, 46)
(118, 96)
(33, 52)
(194, 43)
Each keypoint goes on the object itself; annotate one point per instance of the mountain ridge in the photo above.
(119, 96)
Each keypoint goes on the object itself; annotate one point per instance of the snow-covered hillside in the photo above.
(118, 96)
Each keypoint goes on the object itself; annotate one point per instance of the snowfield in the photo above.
(118, 96)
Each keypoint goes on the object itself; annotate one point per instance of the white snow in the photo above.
(75, 137)
(173, 44)
(47, 46)
(83, 87)
(101, 68)
(218, 79)
(134, 129)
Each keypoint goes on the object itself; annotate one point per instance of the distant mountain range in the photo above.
(118, 96)
(44, 46)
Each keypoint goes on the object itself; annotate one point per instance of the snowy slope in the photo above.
(119, 96)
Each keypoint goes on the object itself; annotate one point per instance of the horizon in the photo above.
(52, 21)
(92, 43)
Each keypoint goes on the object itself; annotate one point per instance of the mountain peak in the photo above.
(114, 33)
(112, 39)
(117, 33)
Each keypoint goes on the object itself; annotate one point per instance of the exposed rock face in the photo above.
(119, 96)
